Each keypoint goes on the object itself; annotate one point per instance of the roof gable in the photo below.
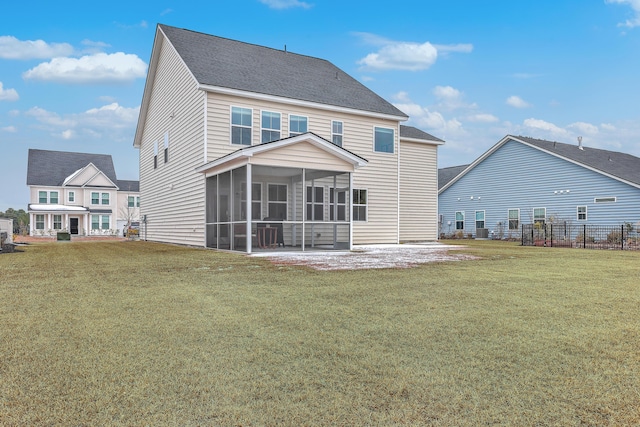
(219, 62)
(53, 168)
(620, 166)
(411, 133)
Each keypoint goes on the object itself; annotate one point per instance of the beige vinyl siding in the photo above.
(173, 193)
(418, 192)
(302, 155)
(379, 177)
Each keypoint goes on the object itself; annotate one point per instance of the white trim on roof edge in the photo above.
(423, 141)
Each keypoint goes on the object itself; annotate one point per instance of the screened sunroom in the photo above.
(287, 195)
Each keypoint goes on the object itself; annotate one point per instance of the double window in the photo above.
(297, 125)
(241, 126)
(459, 220)
(99, 222)
(336, 132)
(270, 126)
(383, 140)
(360, 203)
(514, 219)
(277, 201)
(50, 197)
(133, 201)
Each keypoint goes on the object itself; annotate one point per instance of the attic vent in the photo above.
(604, 200)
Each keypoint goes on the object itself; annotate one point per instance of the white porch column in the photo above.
(304, 204)
(350, 213)
(249, 208)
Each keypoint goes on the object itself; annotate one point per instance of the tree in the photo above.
(20, 220)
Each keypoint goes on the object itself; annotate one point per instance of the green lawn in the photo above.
(137, 333)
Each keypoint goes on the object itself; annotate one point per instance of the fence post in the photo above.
(622, 237)
(522, 235)
(551, 235)
(584, 236)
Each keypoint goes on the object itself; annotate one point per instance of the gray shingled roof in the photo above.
(51, 168)
(221, 62)
(447, 174)
(620, 165)
(128, 185)
(415, 133)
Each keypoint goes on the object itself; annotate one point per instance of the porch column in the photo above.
(248, 208)
(304, 204)
(350, 213)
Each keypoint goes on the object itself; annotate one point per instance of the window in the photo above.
(459, 220)
(315, 203)
(241, 126)
(383, 140)
(105, 198)
(514, 219)
(95, 198)
(99, 222)
(582, 213)
(71, 197)
(270, 126)
(604, 200)
(53, 197)
(359, 205)
(539, 215)
(340, 206)
(479, 219)
(297, 125)
(57, 222)
(256, 200)
(277, 201)
(155, 154)
(336, 133)
(39, 222)
(166, 147)
(131, 201)
(42, 197)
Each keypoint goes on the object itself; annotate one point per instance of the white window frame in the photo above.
(459, 221)
(46, 197)
(57, 193)
(93, 202)
(57, 225)
(313, 203)
(335, 134)
(241, 126)
(39, 222)
(71, 197)
(484, 222)
(265, 129)
(583, 213)
(103, 199)
(306, 122)
(359, 205)
(393, 143)
(270, 202)
(537, 219)
(509, 219)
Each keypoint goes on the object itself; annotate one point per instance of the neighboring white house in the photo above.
(6, 227)
(235, 137)
(78, 193)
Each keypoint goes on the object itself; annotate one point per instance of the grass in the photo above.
(137, 333)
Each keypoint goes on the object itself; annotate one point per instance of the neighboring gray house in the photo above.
(79, 193)
(523, 180)
(235, 137)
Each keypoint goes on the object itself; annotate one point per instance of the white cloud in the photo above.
(482, 118)
(8, 94)
(635, 5)
(584, 128)
(608, 127)
(12, 48)
(94, 47)
(407, 56)
(517, 102)
(450, 98)
(113, 121)
(10, 129)
(547, 127)
(285, 4)
(90, 69)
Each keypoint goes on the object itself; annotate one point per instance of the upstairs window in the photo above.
(95, 198)
(155, 154)
(131, 202)
(336, 133)
(71, 196)
(270, 126)
(105, 198)
(166, 147)
(297, 125)
(53, 197)
(383, 140)
(582, 213)
(241, 126)
(42, 197)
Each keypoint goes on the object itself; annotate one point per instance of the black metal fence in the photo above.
(621, 237)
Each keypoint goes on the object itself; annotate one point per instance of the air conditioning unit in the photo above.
(482, 233)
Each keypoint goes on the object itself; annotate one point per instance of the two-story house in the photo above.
(237, 140)
(78, 193)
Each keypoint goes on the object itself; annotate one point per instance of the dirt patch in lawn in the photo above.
(371, 256)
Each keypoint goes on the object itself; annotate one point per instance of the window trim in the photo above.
(358, 205)
(313, 203)
(45, 198)
(103, 199)
(39, 222)
(605, 200)
(71, 197)
(241, 126)
(544, 220)
(264, 129)
(285, 202)
(306, 121)
(484, 222)
(393, 146)
(58, 223)
(585, 213)
(509, 219)
(339, 134)
(461, 221)
(96, 200)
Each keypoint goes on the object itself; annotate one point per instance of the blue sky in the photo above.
(469, 72)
